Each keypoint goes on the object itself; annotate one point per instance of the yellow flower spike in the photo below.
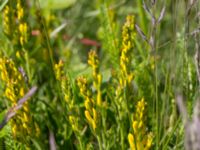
(121, 82)
(99, 101)
(67, 93)
(24, 125)
(141, 116)
(90, 112)
(131, 141)
(14, 129)
(21, 93)
(19, 76)
(135, 126)
(97, 77)
(22, 28)
(25, 107)
(24, 117)
(7, 20)
(139, 128)
(58, 68)
(94, 114)
(88, 116)
(8, 92)
(88, 104)
(4, 76)
(73, 122)
(15, 89)
(20, 13)
(93, 59)
(149, 141)
(21, 39)
(23, 33)
(140, 124)
(1, 64)
(128, 32)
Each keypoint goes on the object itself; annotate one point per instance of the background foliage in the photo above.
(54, 54)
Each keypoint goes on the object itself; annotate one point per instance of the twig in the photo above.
(13, 110)
(141, 33)
(182, 108)
(52, 142)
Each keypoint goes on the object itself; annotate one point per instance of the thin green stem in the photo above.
(122, 136)
(104, 127)
(27, 65)
(80, 143)
(50, 52)
(99, 142)
(142, 17)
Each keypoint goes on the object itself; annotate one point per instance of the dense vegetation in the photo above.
(99, 74)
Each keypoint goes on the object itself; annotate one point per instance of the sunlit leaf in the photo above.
(56, 4)
(4, 131)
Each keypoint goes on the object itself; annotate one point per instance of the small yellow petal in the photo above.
(88, 116)
(131, 141)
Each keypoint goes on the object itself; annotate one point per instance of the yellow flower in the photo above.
(58, 68)
(128, 34)
(20, 10)
(149, 141)
(90, 112)
(143, 139)
(88, 104)
(135, 126)
(93, 61)
(14, 90)
(90, 119)
(131, 141)
(7, 15)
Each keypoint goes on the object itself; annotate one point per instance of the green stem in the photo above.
(48, 44)
(122, 136)
(99, 142)
(27, 65)
(104, 127)
(80, 143)
(143, 20)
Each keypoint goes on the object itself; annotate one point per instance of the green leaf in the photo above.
(56, 4)
(2, 114)
(36, 144)
(4, 131)
(3, 4)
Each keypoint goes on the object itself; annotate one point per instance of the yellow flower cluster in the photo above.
(65, 86)
(22, 28)
(11, 26)
(97, 77)
(68, 96)
(13, 79)
(126, 75)
(140, 139)
(59, 70)
(7, 20)
(128, 34)
(90, 112)
(14, 90)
